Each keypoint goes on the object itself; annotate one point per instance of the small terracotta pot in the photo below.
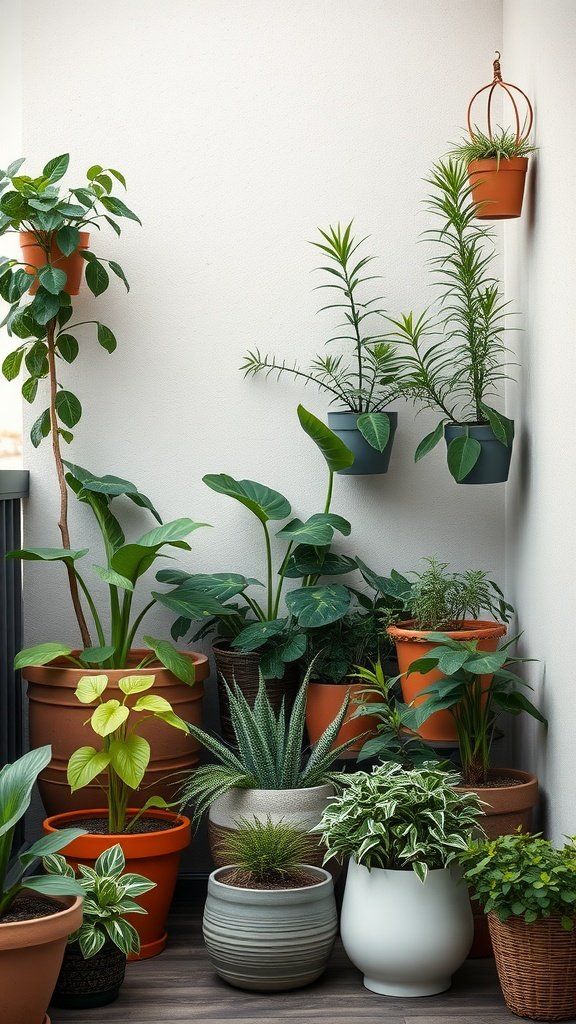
(156, 855)
(411, 645)
(31, 954)
(57, 717)
(323, 703)
(33, 254)
(505, 808)
(498, 187)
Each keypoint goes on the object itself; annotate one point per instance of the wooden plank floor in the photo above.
(180, 987)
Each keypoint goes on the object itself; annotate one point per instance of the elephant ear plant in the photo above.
(230, 602)
(124, 566)
(367, 380)
(16, 784)
(54, 215)
(455, 360)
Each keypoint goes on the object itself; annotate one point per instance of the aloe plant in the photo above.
(268, 754)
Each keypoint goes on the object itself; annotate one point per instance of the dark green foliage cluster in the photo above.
(335, 650)
(523, 875)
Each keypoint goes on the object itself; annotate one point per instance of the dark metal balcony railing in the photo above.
(13, 487)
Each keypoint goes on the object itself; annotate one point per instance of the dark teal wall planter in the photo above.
(367, 460)
(494, 461)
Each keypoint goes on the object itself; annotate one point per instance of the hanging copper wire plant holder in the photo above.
(498, 180)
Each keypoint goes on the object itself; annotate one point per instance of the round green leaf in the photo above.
(108, 717)
(463, 454)
(84, 765)
(68, 408)
(375, 429)
(52, 280)
(67, 346)
(68, 239)
(90, 688)
(96, 277)
(135, 683)
(319, 606)
(130, 758)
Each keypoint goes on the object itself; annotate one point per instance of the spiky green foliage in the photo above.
(400, 819)
(268, 752)
(504, 144)
(266, 851)
(108, 896)
(367, 380)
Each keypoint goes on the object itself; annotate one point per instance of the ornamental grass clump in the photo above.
(400, 820)
(504, 144)
(268, 753)
(266, 854)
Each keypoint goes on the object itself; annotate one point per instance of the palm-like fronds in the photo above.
(268, 753)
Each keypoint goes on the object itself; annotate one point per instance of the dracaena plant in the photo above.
(268, 753)
(252, 622)
(55, 214)
(124, 566)
(120, 761)
(400, 819)
(366, 379)
(475, 687)
(109, 894)
(455, 360)
(16, 783)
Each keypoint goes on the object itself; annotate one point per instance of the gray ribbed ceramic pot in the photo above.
(270, 940)
(493, 463)
(300, 807)
(367, 460)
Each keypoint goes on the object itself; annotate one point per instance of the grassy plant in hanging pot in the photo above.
(497, 161)
(455, 358)
(364, 383)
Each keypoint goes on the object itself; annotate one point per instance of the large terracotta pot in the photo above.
(33, 254)
(156, 855)
(31, 954)
(323, 703)
(506, 808)
(242, 668)
(411, 645)
(498, 187)
(57, 717)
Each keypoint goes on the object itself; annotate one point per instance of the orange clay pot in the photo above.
(57, 717)
(31, 954)
(498, 188)
(324, 701)
(156, 855)
(72, 265)
(410, 645)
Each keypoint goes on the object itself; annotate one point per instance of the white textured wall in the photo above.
(538, 53)
(241, 126)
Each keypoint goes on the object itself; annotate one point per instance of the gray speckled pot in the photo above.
(302, 807)
(270, 940)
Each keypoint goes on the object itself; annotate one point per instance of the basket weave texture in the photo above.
(242, 668)
(536, 966)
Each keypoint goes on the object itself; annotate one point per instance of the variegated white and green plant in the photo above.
(109, 894)
(16, 784)
(120, 762)
(401, 820)
(268, 752)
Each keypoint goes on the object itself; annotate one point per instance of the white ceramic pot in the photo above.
(407, 937)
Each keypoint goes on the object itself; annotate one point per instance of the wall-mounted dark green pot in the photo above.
(494, 461)
(367, 460)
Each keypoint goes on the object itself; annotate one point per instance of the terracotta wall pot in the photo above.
(505, 808)
(536, 966)
(56, 717)
(410, 645)
(407, 937)
(270, 940)
(31, 954)
(156, 855)
(83, 984)
(499, 185)
(302, 807)
(324, 702)
(242, 667)
(72, 265)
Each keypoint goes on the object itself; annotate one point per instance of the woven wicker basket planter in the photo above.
(241, 667)
(536, 966)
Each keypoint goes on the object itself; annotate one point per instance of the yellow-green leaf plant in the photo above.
(118, 763)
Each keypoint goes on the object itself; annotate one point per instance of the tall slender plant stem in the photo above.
(63, 520)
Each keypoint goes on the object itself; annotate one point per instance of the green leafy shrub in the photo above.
(265, 852)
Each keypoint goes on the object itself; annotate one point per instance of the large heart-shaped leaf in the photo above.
(130, 758)
(335, 452)
(108, 717)
(319, 606)
(84, 765)
(257, 634)
(135, 683)
(90, 688)
(220, 585)
(463, 454)
(263, 501)
(308, 561)
(191, 604)
(315, 533)
(132, 560)
(375, 429)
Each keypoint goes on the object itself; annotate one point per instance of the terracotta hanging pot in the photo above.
(498, 187)
(156, 855)
(411, 645)
(323, 704)
(33, 254)
(57, 717)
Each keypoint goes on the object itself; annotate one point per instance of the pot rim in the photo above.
(17, 934)
(182, 823)
(256, 789)
(513, 163)
(403, 872)
(529, 781)
(35, 673)
(325, 879)
(484, 628)
(25, 235)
